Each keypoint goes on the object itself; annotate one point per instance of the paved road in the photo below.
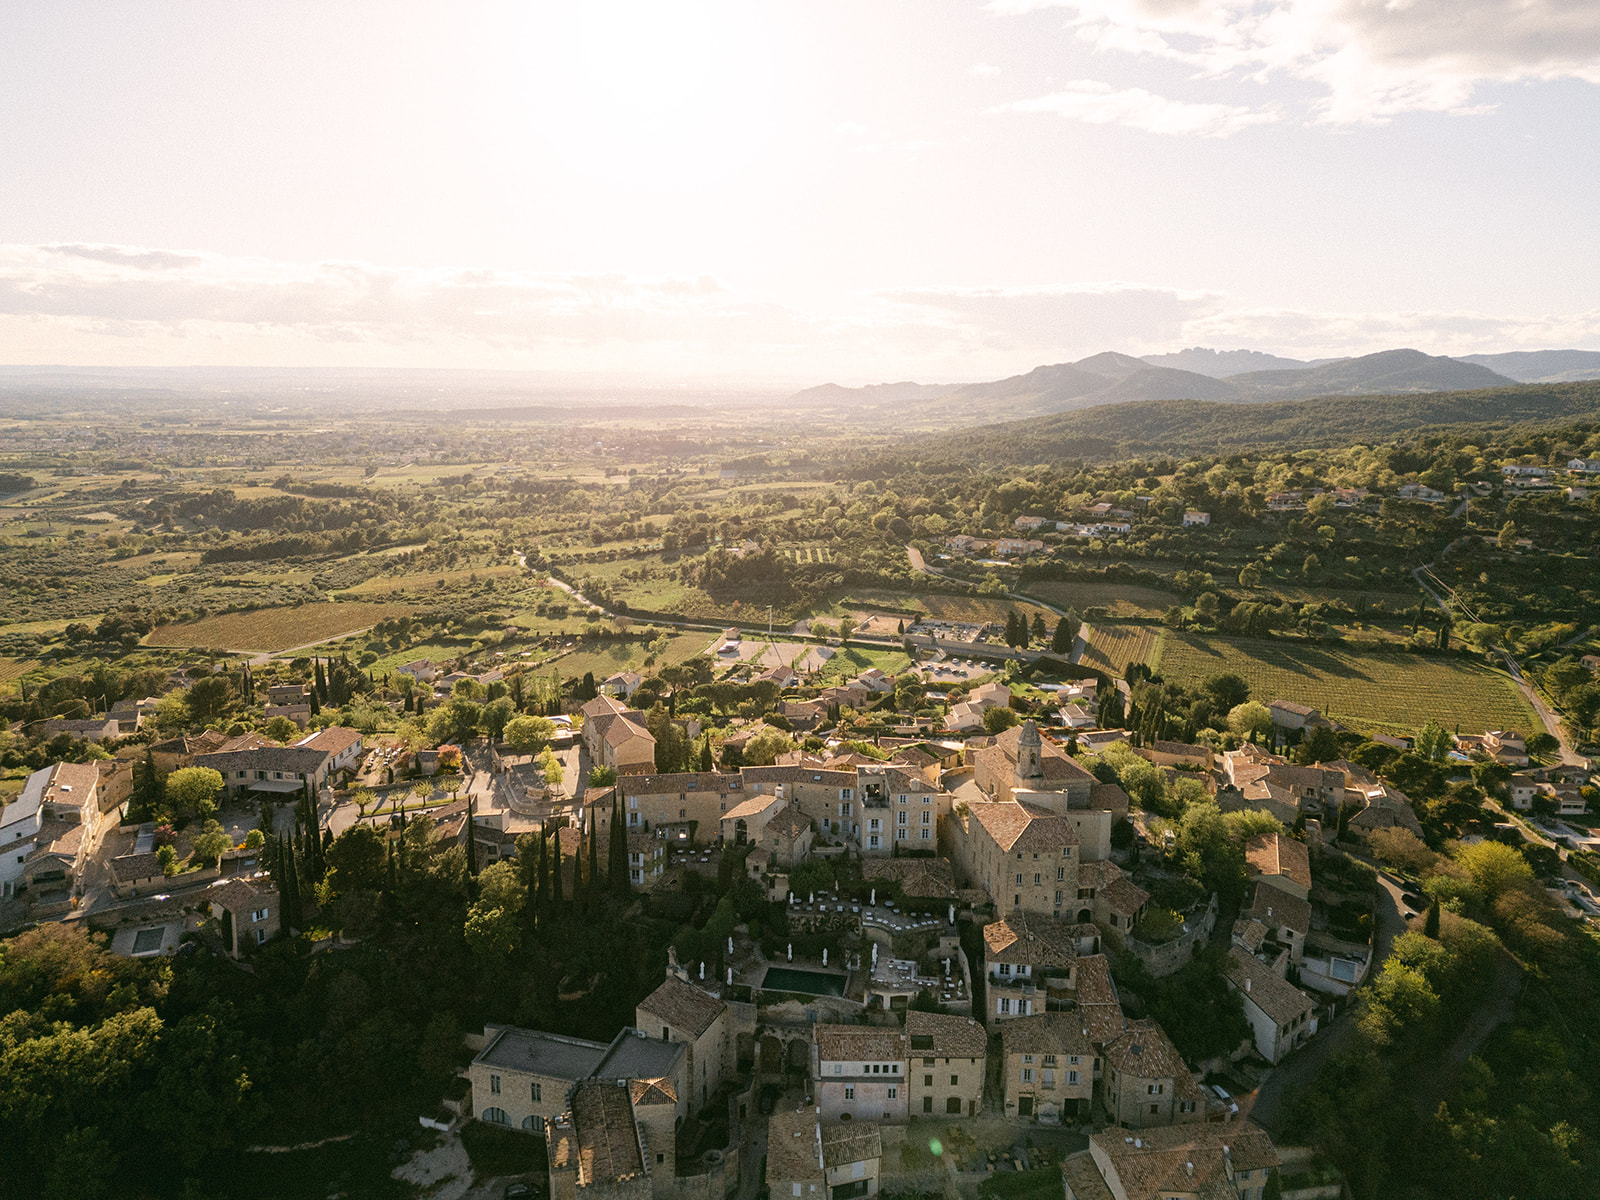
(1277, 1090)
(1547, 716)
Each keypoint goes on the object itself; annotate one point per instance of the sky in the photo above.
(793, 192)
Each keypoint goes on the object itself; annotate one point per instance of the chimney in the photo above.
(1189, 1169)
(1247, 983)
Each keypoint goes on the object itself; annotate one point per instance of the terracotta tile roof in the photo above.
(1144, 1051)
(860, 1043)
(1082, 1178)
(1181, 748)
(1123, 896)
(1184, 1159)
(238, 895)
(1250, 933)
(335, 739)
(790, 823)
(952, 1036)
(1273, 995)
(685, 781)
(1275, 854)
(683, 1006)
(1108, 797)
(1274, 907)
(652, 1091)
(759, 775)
(128, 867)
(916, 876)
(1015, 825)
(1033, 940)
(1046, 1033)
(608, 1142)
(859, 1141)
(794, 1148)
(1099, 1010)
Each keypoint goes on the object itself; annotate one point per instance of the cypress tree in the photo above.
(544, 866)
(1430, 924)
(706, 761)
(555, 872)
(319, 686)
(472, 842)
(617, 864)
(594, 858)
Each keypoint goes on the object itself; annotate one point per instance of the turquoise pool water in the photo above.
(812, 983)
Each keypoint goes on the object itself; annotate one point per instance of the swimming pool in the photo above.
(812, 983)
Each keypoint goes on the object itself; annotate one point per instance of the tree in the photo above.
(1432, 743)
(1508, 535)
(356, 860)
(496, 715)
(213, 842)
(280, 729)
(209, 698)
(168, 858)
(602, 776)
(191, 792)
(1251, 720)
(148, 792)
(765, 745)
(998, 719)
(1430, 924)
(1037, 631)
(847, 626)
(1066, 633)
(1320, 745)
(554, 772)
(1495, 868)
(526, 735)
(1228, 690)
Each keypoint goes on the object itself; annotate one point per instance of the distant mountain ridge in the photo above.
(1121, 430)
(1112, 378)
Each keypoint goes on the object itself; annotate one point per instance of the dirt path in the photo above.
(1439, 1074)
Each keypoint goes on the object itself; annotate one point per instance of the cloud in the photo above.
(121, 304)
(852, 129)
(983, 69)
(1060, 320)
(1372, 59)
(1096, 103)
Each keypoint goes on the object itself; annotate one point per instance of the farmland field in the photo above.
(272, 629)
(970, 609)
(1112, 647)
(382, 584)
(1371, 690)
(1117, 599)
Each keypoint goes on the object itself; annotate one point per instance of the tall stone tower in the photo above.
(1030, 772)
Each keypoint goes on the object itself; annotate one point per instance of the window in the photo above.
(927, 1081)
(1037, 878)
(797, 1189)
(533, 1124)
(1154, 1109)
(874, 824)
(1061, 874)
(494, 1085)
(927, 818)
(1027, 1074)
(261, 937)
(1154, 1089)
(1072, 1079)
(849, 1092)
(900, 818)
(496, 1116)
(955, 1081)
(1049, 1079)
(1005, 969)
(893, 1092)
(1049, 1060)
(927, 835)
(872, 842)
(953, 1106)
(537, 1090)
(1019, 878)
(845, 794)
(258, 914)
(1005, 1005)
(927, 1104)
(845, 810)
(1058, 897)
(900, 835)
(1027, 1058)
(682, 813)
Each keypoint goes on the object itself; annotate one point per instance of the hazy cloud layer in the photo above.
(118, 304)
(1371, 58)
(1097, 103)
